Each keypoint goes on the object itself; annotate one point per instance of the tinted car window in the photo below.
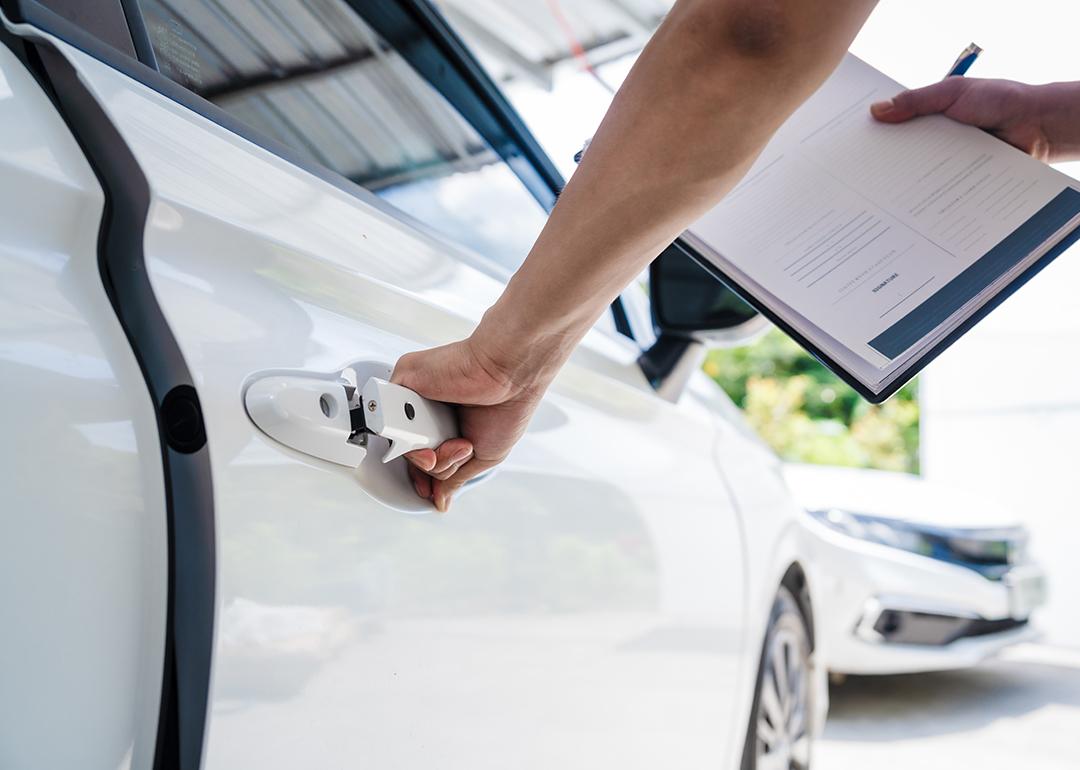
(314, 76)
(104, 19)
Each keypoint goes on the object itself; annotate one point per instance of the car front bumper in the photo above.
(887, 611)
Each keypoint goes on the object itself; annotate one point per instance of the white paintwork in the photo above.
(310, 413)
(306, 413)
(772, 526)
(384, 405)
(600, 601)
(82, 523)
(585, 607)
(857, 577)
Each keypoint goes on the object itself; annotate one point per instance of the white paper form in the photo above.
(851, 224)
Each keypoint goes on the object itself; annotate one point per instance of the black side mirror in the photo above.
(687, 300)
(691, 309)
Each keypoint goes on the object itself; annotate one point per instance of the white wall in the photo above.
(1001, 408)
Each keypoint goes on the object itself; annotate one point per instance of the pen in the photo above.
(964, 61)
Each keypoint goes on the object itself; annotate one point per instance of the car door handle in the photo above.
(355, 419)
(329, 417)
(404, 418)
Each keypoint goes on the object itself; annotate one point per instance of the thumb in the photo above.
(423, 371)
(927, 100)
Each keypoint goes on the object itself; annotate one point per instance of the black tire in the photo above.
(779, 735)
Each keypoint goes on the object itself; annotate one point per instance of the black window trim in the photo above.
(140, 35)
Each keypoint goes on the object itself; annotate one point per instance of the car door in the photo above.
(82, 563)
(322, 206)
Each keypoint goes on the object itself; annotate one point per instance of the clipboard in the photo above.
(696, 250)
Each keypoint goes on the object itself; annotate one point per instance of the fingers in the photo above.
(452, 455)
(424, 459)
(421, 482)
(443, 490)
(429, 469)
(928, 100)
(443, 460)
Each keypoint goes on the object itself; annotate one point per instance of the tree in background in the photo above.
(807, 414)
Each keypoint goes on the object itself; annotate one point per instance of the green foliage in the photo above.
(807, 414)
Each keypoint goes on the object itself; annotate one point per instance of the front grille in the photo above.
(926, 628)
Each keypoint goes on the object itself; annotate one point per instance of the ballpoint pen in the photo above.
(964, 61)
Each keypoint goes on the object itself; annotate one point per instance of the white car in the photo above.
(203, 202)
(918, 576)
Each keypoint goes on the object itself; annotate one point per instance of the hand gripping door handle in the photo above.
(326, 416)
(404, 418)
(353, 418)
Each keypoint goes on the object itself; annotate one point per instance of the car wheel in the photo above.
(779, 736)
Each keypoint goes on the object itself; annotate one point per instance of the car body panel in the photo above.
(83, 525)
(859, 574)
(589, 596)
(773, 530)
(857, 578)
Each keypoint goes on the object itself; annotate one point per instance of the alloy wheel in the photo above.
(783, 725)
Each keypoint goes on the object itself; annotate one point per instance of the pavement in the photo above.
(1019, 712)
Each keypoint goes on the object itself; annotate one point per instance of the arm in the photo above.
(712, 86)
(1043, 121)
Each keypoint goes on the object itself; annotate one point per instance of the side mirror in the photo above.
(691, 310)
(689, 301)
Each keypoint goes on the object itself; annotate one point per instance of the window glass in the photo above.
(314, 76)
(103, 20)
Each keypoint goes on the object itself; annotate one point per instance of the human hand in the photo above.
(1031, 118)
(496, 396)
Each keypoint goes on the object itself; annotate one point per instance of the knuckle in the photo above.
(451, 487)
(905, 100)
(947, 90)
(950, 89)
(404, 365)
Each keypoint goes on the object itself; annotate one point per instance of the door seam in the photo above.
(190, 603)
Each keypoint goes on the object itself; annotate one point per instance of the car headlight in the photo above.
(990, 552)
(876, 530)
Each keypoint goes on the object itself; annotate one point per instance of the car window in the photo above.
(104, 20)
(314, 76)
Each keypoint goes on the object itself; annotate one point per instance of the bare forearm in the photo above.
(708, 92)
